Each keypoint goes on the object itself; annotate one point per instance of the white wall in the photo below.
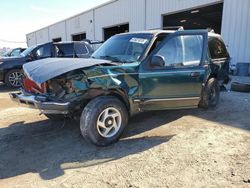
(119, 12)
(42, 36)
(235, 29)
(81, 24)
(58, 30)
(31, 39)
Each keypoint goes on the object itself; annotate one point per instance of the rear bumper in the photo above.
(36, 102)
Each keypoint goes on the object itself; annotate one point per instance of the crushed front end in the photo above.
(60, 95)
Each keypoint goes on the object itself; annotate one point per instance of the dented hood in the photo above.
(43, 70)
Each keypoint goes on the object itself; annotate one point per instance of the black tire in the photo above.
(240, 87)
(8, 79)
(210, 94)
(93, 112)
(55, 117)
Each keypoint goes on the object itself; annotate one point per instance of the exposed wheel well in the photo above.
(122, 97)
(214, 75)
(118, 93)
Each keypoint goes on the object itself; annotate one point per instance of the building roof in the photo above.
(94, 8)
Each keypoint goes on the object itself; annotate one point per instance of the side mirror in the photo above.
(157, 61)
(30, 57)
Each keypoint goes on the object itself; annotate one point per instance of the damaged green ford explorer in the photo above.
(128, 74)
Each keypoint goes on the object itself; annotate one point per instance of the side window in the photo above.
(217, 48)
(15, 52)
(182, 51)
(43, 51)
(81, 49)
(65, 50)
(157, 42)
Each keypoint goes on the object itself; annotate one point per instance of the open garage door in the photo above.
(57, 39)
(79, 37)
(111, 31)
(208, 17)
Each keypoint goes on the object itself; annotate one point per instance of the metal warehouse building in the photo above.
(231, 18)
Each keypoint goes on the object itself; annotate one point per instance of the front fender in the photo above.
(118, 81)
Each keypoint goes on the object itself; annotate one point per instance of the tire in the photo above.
(210, 94)
(55, 117)
(98, 126)
(240, 87)
(13, 78)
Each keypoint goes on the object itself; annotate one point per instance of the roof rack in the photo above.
(178, 28)
(210, 30)
(92, 41)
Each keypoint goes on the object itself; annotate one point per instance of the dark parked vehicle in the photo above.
(14, 52)
(11, 68)
(128, 74)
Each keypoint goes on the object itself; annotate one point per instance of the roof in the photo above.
(154, 32)
(157, 32)
(92, 9)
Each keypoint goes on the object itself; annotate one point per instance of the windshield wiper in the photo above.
(111, 58)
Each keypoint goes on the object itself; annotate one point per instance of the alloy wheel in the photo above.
(15, 79)
(109, 122)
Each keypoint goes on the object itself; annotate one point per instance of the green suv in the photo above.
(128, 74)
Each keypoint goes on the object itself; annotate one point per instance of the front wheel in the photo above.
(103, 120)
(210, 94)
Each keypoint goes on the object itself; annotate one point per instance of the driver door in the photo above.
(178, 82)
(44, 51)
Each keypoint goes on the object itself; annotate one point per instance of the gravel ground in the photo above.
(177, 148)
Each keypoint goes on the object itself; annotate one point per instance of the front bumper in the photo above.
(37, 102)
(1, 75)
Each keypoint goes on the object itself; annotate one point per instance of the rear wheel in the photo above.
(240, 87)
(103, 120)
(210, 94)
(14, 78)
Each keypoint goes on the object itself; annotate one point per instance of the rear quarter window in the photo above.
(81, 49)
(217, 48)
(65, 50)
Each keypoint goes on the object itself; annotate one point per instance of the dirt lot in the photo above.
(184, 148)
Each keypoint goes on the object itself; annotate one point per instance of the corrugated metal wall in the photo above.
(235, 29)
(147, 14)
(80, 24)
(119, 12)
(58, 30)
(42, 36)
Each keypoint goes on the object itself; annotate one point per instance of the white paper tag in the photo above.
(138, 40)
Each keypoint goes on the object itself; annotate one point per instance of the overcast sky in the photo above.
(19, 17)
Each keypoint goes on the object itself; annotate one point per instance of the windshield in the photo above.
(124, 48)
(5, 54)
(27, 51)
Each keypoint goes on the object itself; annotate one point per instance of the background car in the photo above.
(11, 68)
(14, 52)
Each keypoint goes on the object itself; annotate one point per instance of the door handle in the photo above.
(195, 74)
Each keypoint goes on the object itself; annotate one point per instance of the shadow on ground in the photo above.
(5, 88)
(48, 148)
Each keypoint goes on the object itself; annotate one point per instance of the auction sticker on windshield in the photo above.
(139, 40)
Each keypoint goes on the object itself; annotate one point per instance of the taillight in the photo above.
(32, 87)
